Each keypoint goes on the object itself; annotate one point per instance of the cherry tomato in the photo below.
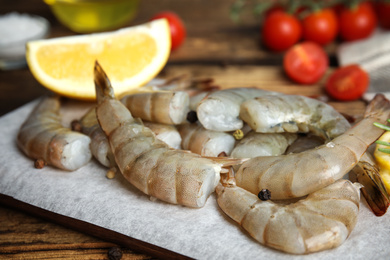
(320, 27)
(176, 25)
(305, 63)
(281, 31)
(383, 14)
(347, 83)
(358, 22)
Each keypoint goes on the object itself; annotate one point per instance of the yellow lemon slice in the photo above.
(131, 57)
(383, 160)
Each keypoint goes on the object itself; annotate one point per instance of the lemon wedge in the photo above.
(131, 57)
(383, 160)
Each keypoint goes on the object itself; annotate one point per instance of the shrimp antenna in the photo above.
(102, 84)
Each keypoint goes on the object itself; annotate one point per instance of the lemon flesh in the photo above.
(131, 57)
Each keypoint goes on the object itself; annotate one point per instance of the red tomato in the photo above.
(347, 83)
(357, 23)
(305, 63)
(320, 27)
(383, 14)
(281, 31)
(178, 30)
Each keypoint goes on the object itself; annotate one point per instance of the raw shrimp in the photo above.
(166, 107)
(292, 113)
(42, 137)
(174, 176)
(298, 174)
(365, 172)
(322, 221)
(262, 144)
(166, 133)
(100, 147)
(219, 111)
(205, 142)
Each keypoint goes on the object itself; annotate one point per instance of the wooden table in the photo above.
(215, 48)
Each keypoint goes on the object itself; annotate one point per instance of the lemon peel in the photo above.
(131, 57)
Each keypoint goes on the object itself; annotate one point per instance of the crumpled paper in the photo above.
(373, 55)
(206, 233)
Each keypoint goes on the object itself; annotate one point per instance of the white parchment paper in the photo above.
(204, 233)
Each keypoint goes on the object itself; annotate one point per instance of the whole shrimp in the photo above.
(321, 221)
(43, 137)
(219, 111)
(166, 107)
(298, 174)
(205, 142)
(174, 176)
(365, 172)
(292, 113)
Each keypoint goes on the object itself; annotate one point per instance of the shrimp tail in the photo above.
(374, 191)
(377, 106)
(102, 84)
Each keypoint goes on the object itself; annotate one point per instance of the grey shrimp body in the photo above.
(205, 142)
(174, 176)
(42, 136)
(321, 221)
(298, 174)
(100, 147)
(166, 107)
(220, 110)
(293, 114)
(263, 144)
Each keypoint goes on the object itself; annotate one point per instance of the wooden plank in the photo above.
(23, 236)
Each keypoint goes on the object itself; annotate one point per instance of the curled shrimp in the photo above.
(365, 172)
(292, 113)
(42, 137)
(321, 221)
(166, 107)
(219, 111)
(205, 142)
(173, 176)
(298, 174)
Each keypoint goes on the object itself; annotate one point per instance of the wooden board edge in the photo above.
(91, 229)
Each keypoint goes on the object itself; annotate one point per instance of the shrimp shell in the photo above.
(205, 142)
(292, 113)
(298, 174)
(166, 133)
(322, 221)
(173, 176)
(166, 107)
(100, 147)
(42, 136)
(219, 111)
(262, 144)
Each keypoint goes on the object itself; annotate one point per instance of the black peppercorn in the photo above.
(114, 253)
(192, 116)
(264, 194)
